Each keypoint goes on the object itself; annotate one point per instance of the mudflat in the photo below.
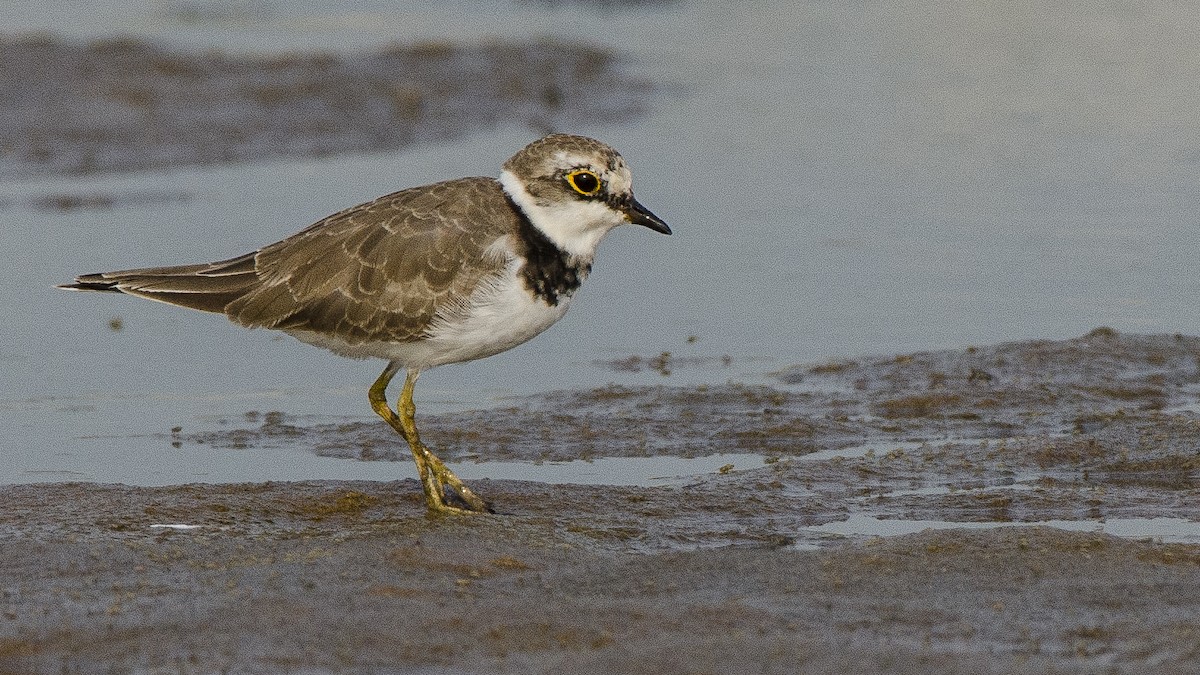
(125, 104)
(739, 570)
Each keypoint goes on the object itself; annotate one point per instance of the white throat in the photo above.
(575, 226)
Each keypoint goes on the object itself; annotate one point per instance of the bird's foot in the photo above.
(455, 495)
(445, 492)
(452, 502)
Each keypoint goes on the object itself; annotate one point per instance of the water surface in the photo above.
(842, 178)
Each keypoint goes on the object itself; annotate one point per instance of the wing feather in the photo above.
(384, 270)
(207, 287)
(379, 271)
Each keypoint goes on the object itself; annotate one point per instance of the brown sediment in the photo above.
(125, 104)
(721, 572)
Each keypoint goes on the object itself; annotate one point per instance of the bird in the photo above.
(443, 273)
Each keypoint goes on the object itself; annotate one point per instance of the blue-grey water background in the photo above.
(843, 179)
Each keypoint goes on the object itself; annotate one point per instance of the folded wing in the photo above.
(378, 271)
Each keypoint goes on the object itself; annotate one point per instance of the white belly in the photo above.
(499, 318)
(507, 317)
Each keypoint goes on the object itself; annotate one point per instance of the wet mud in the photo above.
(742, 569)
(126, 104)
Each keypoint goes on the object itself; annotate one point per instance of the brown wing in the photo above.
(377, 271)
(382, 270)
(209, 287)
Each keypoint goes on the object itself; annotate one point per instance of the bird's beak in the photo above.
(640, 215)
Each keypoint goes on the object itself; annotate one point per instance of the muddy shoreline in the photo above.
(729, 571)
(125, 104)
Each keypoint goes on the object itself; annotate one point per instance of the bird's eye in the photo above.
(585, 182)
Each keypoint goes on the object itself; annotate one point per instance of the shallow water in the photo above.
(1167, 530)
(843, 178)
(155, 466)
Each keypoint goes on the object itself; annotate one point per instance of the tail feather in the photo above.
(208, 287)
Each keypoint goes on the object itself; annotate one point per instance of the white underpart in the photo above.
(575, 226)
(498, 316)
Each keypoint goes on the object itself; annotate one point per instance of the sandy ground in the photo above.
(720, 574)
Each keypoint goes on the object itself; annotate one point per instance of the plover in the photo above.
(443, 273)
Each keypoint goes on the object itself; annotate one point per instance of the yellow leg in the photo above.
(435, 475)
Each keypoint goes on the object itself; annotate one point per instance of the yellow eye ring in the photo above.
(585, 182)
